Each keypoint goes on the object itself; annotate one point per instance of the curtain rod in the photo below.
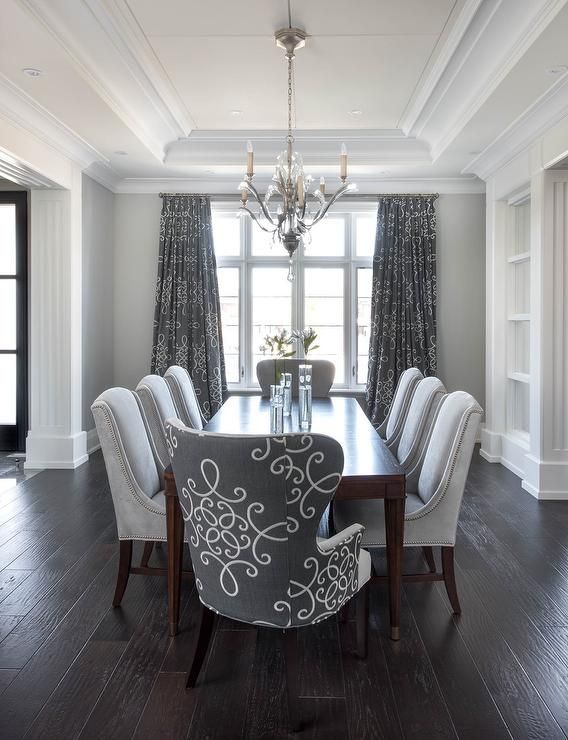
(363, 196)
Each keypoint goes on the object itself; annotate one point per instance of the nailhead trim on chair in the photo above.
(111, 422)
(440, 496)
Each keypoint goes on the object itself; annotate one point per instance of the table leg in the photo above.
(174, 526)
(394, 523)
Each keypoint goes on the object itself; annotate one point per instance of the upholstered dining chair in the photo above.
(323, 375)
(158, 405)
(252, 505)
(185, 399)
(418, 425)
(137, 494)
(432, 512)
(393, 424)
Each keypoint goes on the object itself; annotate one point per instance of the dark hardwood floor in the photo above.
(71, 666)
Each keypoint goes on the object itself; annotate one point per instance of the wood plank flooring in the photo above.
(73, 667)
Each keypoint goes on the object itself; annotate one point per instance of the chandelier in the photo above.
(294, 217)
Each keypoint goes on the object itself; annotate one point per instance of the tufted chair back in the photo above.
(252, 505)
(323, 375)
(158, 405)
(419, 421)
(131, 467)
(185, 400)
(391, 428)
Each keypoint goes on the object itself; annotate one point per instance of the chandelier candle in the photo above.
(291, 223)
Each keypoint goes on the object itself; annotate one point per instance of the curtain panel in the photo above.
(187, 315)
(403, 298)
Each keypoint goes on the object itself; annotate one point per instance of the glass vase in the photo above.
(305, 396)
(276, 409)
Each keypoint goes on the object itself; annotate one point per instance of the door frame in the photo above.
(16, 439)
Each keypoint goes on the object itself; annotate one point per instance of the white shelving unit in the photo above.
(518, 302)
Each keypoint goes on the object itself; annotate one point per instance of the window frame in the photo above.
(347, 211)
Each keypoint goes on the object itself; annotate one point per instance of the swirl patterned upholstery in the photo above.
(252, 506)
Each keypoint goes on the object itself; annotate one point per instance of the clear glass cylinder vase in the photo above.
(286, 383)
(276, 409)
(305, 396)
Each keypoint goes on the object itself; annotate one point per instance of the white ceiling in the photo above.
(437, 82)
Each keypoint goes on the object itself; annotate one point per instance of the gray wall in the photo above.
(461, 289)
(461, 293)
(98, 316)
(136, 237)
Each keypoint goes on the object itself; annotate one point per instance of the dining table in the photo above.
(370, 471)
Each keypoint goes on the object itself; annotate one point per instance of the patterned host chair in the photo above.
(137, 494)
(391, 428)
(432, 512)
(323, 375)
(185, 399)
(252, 505)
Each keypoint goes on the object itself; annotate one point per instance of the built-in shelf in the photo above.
(520, 377)
(522, 257)
(519, 317)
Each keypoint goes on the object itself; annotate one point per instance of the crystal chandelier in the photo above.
(291, 223)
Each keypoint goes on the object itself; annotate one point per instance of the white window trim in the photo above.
(350, 262)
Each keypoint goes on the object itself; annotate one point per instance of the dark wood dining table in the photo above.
(370, 471)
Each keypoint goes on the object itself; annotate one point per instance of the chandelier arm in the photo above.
(325, 208)
(258, 222)
(251, 188)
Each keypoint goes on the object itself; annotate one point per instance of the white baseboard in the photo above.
(46, 451)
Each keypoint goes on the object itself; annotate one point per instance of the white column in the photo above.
(547, 462)
(55, 439)
(495, 320)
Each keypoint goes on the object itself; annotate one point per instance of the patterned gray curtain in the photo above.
(403, 298)
(187, 316)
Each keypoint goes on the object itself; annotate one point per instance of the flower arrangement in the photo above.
(277, 344)
(307, 337)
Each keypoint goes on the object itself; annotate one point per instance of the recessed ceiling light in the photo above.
(559, 69)
(121, 153)
(356, 112)
(32, 71)
(208, 172)
(236, 113)
(385, 173)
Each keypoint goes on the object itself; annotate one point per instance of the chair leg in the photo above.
(292, 671)
(207, 620)
(450, 578)
(148, 548)
(429, 558)
(363, 621)
(124, 564)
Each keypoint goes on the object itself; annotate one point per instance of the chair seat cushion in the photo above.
(371, 514)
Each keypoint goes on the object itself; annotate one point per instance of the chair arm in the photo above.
(332, 543)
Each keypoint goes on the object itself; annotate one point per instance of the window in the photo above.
(331, 293)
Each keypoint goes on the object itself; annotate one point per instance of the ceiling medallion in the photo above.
(291, 223)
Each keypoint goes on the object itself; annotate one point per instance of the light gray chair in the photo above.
(391, 428)
(137, 494)
(252, 506)
(418, 427)
(185, 399)
(432, 512)
(323, 375)
(158, 405)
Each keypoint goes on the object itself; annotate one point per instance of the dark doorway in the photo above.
(13, 320)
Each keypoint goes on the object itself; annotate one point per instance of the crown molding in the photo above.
(114, 58)
(368, 146)
(105, 176)
(544, 113)
(19, 172)
(488, 46)
(410, 121)
(369, 185)
(22, 109)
